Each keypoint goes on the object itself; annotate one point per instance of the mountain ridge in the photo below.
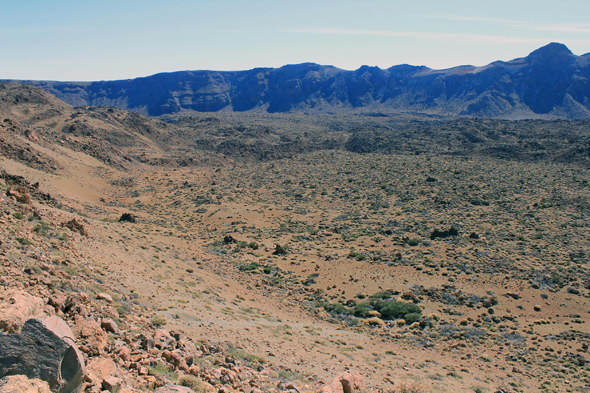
(551, 82)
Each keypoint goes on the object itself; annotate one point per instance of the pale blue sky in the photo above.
(105, 39)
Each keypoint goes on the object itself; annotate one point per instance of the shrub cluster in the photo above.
(388, 308)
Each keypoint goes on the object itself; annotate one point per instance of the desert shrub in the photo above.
(410, 387)
(392, 309)
(240, 354)
(250, 267)
(413, 242)
(122, 309)
(334, 308)
(382, 295)
(160, 370)
(479, 202)
(389, 309)
(34, 268)
(311, 279)
(193, 382)
(158, 321)
(41, 228)
(361, 310)
(411, 317)
(18, 215)
(289, 375)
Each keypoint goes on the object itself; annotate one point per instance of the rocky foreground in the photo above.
(55, 338)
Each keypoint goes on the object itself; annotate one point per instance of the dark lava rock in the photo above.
(44, 349)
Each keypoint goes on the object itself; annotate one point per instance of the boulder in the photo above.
(109, 325)
(513, 295)
(127, 217)
(74, 306)
(100, 368)
(112, 384)
(348, 382)
(22, 384)
(75, 226)
(16, 307)
(45, 350)
(91, 334)
(19, 193)
(175, 357)
(105, 296)
(57, 301)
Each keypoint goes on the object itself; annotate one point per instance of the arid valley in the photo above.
(271, 252)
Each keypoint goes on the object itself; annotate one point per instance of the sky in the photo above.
(86, 40)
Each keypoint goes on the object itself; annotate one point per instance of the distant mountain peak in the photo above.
(552, 50)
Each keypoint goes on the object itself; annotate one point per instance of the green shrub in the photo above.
(413, 242)
(361, 310)
(193, 382)
(158, 321)
(17, 215)
(383, 295)
(250, 267)
(311, 279)
(160, 370)
(392, 309)
(411, 317)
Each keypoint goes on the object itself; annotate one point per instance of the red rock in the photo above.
(22, 384)
(19, 193)
(16, 307)
(58, 301)
(105, 296)
(124, 353)
(112, 384)
(348, 382)
(87, 329)
(109, 325)
(175, 358)
(194, 370)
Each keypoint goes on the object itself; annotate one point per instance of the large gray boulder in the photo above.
(44, 349)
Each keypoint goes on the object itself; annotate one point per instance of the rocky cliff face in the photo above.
(551, 82)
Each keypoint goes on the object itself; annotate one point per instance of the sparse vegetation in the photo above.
(472, 250)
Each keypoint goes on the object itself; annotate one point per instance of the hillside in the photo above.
(549, 83)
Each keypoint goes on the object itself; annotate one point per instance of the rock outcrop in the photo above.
(44, 349)
(348, 382)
